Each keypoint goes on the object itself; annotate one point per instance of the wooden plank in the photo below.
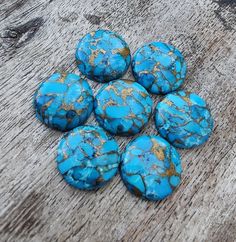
(37, 37)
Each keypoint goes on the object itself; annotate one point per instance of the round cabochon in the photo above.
(184, 119)
(63, 101)
(159, 67)
(151, 167)
(103, 56)
(123, 107)
(87, 157)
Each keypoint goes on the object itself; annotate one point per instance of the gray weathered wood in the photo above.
(37, 37)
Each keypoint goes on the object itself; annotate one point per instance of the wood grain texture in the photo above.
(39, 36)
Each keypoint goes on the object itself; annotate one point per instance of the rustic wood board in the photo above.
(39, 36)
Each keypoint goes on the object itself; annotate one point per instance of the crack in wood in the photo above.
(15, 37)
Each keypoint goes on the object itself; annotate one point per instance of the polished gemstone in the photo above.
(87, 157)
(103, 56)
(123, 107)
(159, 67)
(63, 101)
(151, 167)
(184, 119)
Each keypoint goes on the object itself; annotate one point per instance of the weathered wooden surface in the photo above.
(39, 36)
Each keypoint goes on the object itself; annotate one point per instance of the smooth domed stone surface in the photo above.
(159, 67)
(103, 56)
(151, 167)
(63, 101)
(184, 119)
(123, 107)
(87, 157)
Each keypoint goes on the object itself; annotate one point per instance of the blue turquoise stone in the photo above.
(87, 157)
(103, 56)
(184, 119)
(151, 167)
(159, 67)
(63, 101)
(123, 107)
